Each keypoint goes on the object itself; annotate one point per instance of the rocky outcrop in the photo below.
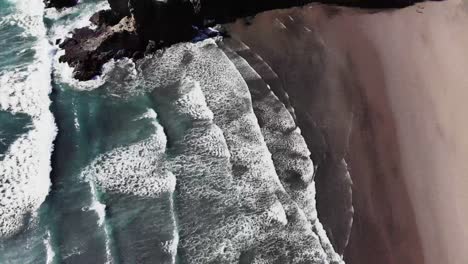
(171, 21)
(164, 22)
(120, 7)
(132, 27)
(87, 50)
(105, 18)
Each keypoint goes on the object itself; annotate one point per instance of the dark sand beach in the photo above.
(383, 94)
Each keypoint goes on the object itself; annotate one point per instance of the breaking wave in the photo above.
(244, 178)
(222, 176)
(25, 167)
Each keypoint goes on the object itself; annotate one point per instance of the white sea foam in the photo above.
(137, 169)
(49, 249)
(201, 164)
(242, 178)
(134, 170)
(267, 73)
(76, 122)
(24, 171)
(171, 246)
(64, 74)
(96, 205)
(149, 114)
(211, 91)
(121, 78)
(222, 157)
(73, 17)
(100, 210)
(289, 150)
(26, 17)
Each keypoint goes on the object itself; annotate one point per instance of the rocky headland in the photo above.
(132, 28)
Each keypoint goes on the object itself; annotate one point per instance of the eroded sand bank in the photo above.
(386, 91)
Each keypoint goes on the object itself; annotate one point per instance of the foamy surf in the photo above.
(289, 150)
(49, 249)
(138, 186)
(263, 69)
(215, 157)
(25, 168)
(199, 158)
(220, 157)
(134, 169)
(100, 210)
(232, 203)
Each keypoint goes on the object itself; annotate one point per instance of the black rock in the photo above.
(151, 47)
(137, 55)
(120, 7)
(60, 3)
(138, 27)
(87, 50)
(120, 54)
(105, 18)
(169, 22)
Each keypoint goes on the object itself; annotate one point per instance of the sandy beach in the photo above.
(386, 91)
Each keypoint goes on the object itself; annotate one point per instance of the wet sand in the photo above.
(386, 92)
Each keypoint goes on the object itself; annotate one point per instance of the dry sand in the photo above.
(388, 91)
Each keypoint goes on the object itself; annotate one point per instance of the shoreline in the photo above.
(395, 79)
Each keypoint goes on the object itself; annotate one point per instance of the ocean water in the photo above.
(27, 132)
(13, 125)
(181, 157)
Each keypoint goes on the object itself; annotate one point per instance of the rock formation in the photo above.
(60, 3)
(147, 25)
(87, 50)
(120, 7)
